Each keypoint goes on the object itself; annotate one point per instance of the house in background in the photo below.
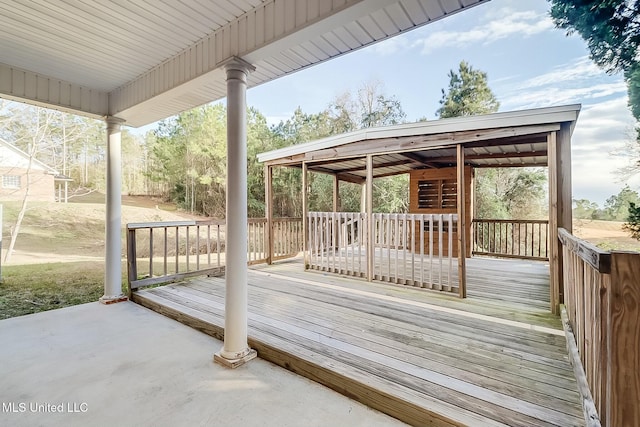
(43, 181)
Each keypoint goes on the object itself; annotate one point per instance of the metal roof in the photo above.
(509, 139)
(144, 60)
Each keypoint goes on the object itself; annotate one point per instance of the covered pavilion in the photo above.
(432, 152)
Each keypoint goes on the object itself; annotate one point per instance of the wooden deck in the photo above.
(422, 357)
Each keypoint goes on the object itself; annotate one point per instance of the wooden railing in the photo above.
(162, 252)
(287, 237)
(601, 315)
(165, 251)
(256, 240)
(511, 238)
(168, 251)
(415, 250)
(409, 249)
(336, 242)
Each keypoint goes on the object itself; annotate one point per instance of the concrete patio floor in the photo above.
(125, 365)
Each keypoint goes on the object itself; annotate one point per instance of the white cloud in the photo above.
(579, 81)
(582, 68)
(602, 130)
(505, 24)
(391, 45)
(558, 95)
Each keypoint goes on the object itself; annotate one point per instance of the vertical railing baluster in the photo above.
(450, 251)
(421, 250)
(177, 250)
(197, 247)
(431, 251)
(388, 245)
(360, 244)
(218, 243)
(187, 249)
(396, 228)
(150, 251)
(166, 249)
(209, 245)
(440, 248)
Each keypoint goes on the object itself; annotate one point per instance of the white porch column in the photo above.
(235, 350)
(113, 239)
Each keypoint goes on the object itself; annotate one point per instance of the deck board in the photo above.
(421, 357)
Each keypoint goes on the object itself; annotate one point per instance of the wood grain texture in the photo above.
(624, 340)
(443, 174)
(588, 406)
(417, 356)
(590, 253)
(464, 220)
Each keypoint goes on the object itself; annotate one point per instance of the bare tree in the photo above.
(40, 128)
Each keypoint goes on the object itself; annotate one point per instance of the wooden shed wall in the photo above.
(442, 178)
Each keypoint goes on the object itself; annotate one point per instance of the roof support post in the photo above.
(268, 211)
(113, 240)
(336, 193)
(565, 196)
(236, 351)
(369, 211)
(305, 214)
(462, 225)
(559, 155)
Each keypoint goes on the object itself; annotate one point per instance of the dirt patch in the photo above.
(607, 235)
(58, 232)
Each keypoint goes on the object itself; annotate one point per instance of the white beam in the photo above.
(236, 351)
(43, 91)
(258, 35)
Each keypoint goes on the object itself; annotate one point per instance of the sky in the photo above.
(529, 64)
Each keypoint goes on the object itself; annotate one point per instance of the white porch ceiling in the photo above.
(144, 60)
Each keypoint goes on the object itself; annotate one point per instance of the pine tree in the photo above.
(611, 29)
(468, 94)
(633, 222)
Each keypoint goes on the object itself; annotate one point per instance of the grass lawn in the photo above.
(33, 288)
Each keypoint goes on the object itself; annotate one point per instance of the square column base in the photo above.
(113, 300)
(234, 363)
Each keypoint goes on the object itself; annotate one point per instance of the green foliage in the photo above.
(348, 112)
(499, 193)
(385, 112)
(586, 209)
(510, 193)
(468, 94)
(633, 221)
(616, 208)
(33, 288)
(611, 29)
(189, 155)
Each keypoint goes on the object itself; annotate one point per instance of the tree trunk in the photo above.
(23, 210)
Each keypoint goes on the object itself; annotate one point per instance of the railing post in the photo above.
(623, 382)
(305, 212)
(369, 210)
(132, 263)
(268, 211)
(462, 225)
